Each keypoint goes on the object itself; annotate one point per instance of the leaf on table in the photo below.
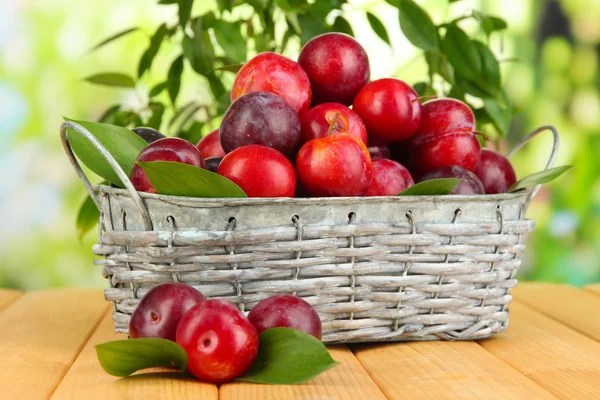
(116, 79)
(87, 217)
(123, 144)
(124, 357)
(432, 187)
(179, 179)
(417, 26)
(113, 37)
(539, 178)
(378, 27)
(287, 356)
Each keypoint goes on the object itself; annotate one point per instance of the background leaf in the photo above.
(230, 68)
(461, 52)
(124, 357)
(287, 356)
(157, 89)
(113, 38)
(229, 37)
(87, 217)
(123, 144)
(185, 9)
(112, 79)
(378, 27)
(539, 178)
(180, 179)
(417, 26)
(432, 187)
(155, 120)
(152, 50)
(174, 78)
(342, 25)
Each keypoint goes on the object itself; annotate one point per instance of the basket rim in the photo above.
(205, 201)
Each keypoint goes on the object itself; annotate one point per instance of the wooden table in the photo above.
(550, 350)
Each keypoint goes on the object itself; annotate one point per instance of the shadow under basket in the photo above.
(375, 268)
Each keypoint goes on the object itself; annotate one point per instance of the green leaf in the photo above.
(229, 37)
(156, 90)
(292, 19)
(417, 26)
(311, 26)
(489, 23)
(123, 144)
(432, 187)
(194, 133)
(112, 79)
(461, 53)
(423, 89)
(185, 10)
(158, 109)
(342, 25)
(180, 179)
(174, 78)
(199, 50)
(225, 5)
(124, 118)
(378, 27)
(539, 178)
(152, 50)
(490, 69)
(113, 38)
(258, 5)
(87, 217)
(230, 68)
(500, 114)
(124, 357)
(217, 87)
(109, 114)
(287, 356)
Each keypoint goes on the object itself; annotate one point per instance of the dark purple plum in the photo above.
(160, 310)
(469, 182)
(378, 150)
(288, 311)
(167, 149)
(261, 118)
(212, 163)
(148, 134)
(495, 172)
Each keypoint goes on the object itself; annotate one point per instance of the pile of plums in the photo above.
(220, 341)
(319, 127)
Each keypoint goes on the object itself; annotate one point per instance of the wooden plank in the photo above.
(41, 334)
(8, 296)
(345, 381)
(444, 370)
(555, 356)
(594, 288)
(87, 380)
(569, 305)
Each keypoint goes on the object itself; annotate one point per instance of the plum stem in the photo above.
(424, 98)
(332, 123)
(483, 135)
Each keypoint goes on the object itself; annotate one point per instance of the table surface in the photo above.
(550, 350)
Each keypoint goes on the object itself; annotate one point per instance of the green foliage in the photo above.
(112, 79)
(219, 41)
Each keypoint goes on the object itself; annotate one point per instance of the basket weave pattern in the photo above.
(376, 269)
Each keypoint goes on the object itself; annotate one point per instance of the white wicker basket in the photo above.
(375, 268)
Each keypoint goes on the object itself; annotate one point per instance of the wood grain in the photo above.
(41, 334)
(444, 370)
(555, 356)
(87, 380)
(346, 381)
(8, 296)
(567, 304)
(594, 288)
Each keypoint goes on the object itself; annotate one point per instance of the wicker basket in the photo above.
(375, 268)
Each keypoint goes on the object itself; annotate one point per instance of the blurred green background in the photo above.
(550, 56)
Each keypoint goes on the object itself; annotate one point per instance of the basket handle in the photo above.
(551, 160)
(110, 160)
